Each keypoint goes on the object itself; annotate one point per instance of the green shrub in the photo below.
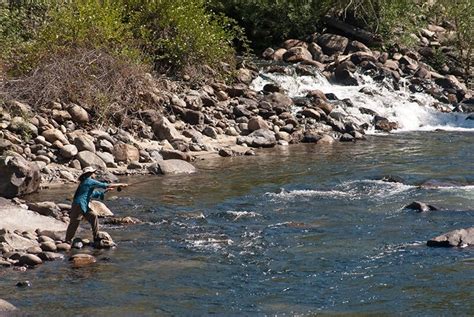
(181, 34)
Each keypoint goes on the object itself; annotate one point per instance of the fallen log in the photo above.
(362, 35)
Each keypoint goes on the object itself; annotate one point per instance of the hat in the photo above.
(89, 169)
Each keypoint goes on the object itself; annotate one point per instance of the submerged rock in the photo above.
(455, 238)
(81, 259)
(104, 241)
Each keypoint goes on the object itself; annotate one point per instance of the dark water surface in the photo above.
(300, 231)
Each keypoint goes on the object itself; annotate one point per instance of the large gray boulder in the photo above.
(455, 238)
(18, 176)
(87, 158)
(165, 130)
(172, 167)
(125, 153)
(84, 142)
(259, 138)
(45, 208)
(100, 209)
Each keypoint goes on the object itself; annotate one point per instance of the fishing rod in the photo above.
(119, 189)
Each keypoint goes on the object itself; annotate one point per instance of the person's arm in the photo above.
(96, 194)
(116, 185)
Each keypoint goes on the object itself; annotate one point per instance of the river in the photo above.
(297, 230)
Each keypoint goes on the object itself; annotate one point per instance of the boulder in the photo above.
(6, 306)
(53, 135)
(332, 43)
(126, 153)
(50, 256)
(30, 260)
(259, 138)
(18, 176)
(81, 259)
(383, 124)
(297, 54)
(45, 208)
(165, 130)
(420, 207)
(316, 51)
(63, 247)
(19, 108)
(107, 157)
(104, 241)
(16, 241)
(193, 117)
(172, 167)
(100, 209)
(78, 114)
(84, 142)
(69, 151)
(175, 155)
(455, 238)
(48, 246)
(343, 74)
(257, 123)
(87, 158)
(210, 132)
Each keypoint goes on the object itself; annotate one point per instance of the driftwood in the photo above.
(364, 36)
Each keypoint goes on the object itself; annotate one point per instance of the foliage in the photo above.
(181, 34)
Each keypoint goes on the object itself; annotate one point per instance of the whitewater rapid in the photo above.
(412, 111)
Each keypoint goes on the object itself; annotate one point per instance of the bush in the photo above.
(181, 34)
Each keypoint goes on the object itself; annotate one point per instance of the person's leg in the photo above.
(92, 218)
(74, 218)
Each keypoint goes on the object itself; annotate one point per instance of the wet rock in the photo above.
(455, 238)
(87, 158)
(383, 124)
(18, 176)
(297, 54)
(258, 138)
(45, 208)
(81, 259)
(311, 113)
(122, 221)
(420, 207)
(125, 153)
(54, 235)
(316, 51)
(30, 260)
(346, 137)
(50, 256)
(6, 306)
(344, 74)
(23, 284)
(100, 209)
(63, 247)
(332, 43)
(326, 139)
(103, 241)
(172, 166)
(4, 263)
(48, 246)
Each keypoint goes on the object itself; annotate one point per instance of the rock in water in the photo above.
(100, 209)
(455, 238)
(104, 241)
(18, 176)
(81, 259)
(420, 207)
(6, 306)
(30, 260)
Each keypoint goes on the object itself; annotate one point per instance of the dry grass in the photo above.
(106, 85)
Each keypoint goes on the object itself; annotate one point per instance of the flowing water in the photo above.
(299, 230)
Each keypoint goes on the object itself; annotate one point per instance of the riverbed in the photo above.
(297, 230)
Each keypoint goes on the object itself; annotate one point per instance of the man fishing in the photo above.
(80, 204)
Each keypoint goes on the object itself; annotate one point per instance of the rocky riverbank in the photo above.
(52, 143)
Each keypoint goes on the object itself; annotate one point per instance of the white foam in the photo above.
(412, 111)
(242, 214)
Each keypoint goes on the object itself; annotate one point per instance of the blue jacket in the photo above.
(85, 192)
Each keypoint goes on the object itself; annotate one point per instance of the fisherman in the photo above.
(80, 204)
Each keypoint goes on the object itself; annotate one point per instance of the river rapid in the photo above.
(297, 230)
